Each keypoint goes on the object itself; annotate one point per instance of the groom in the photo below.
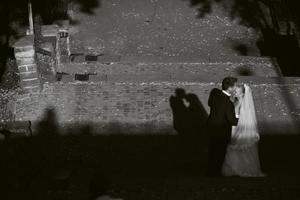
(220, 121)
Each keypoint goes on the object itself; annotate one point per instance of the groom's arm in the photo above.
(230, 115)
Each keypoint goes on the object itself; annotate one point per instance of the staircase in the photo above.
(130, 95)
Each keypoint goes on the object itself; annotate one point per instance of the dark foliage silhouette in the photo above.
(242, 49)
(245, 10)
(253, 13)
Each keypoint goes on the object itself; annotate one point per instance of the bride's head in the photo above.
(239, 91)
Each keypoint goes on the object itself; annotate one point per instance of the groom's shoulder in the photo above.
(215, 91)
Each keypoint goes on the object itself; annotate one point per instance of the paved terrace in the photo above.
(160, 28)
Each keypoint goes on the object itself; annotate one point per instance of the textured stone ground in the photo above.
(9, 91)
(159, 28)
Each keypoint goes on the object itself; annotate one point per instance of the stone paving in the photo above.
(159, 28)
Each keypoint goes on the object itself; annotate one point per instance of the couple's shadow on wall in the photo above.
(189, 115)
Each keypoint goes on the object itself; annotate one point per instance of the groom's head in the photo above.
(229, 84)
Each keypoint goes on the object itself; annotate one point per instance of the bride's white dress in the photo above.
(242, 153)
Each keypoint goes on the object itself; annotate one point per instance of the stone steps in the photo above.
(25, 57)
(170, 69)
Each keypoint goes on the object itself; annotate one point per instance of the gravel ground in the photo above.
(9, 89)
(159, 28)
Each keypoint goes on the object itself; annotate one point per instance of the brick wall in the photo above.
(144, 107)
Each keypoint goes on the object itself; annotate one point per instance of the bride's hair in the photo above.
(240, 91)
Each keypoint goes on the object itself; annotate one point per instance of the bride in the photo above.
(242, 152)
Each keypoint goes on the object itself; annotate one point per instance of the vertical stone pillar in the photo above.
(50, 41)
(25, 56)
(64, 41)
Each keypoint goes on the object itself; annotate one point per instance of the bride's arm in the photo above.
(231, 115)
(237, 106)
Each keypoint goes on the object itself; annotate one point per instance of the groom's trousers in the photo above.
(216, 154)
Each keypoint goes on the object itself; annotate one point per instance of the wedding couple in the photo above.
(233, 133)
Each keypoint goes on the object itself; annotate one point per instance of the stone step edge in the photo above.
(266, 62)
(117, 69)
(193, 80)
(178, 60)
(93, 64)
(193, 59)
(29, 128)
(129, 128)
(163, 59)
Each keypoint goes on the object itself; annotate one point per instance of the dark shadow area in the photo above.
(179, 111)
(88, 6)
(242, 49)
(52, 10)
(244, 71)
(48, 125)
(284, 48)
(54, 163)
(99, 187)
(86, 130)
(189, 117)
(277, 21)
(279, 160)
(189, 120)
(196, 115)
(35, 168)
(245, 10)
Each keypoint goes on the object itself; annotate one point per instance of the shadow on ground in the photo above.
(48, 164)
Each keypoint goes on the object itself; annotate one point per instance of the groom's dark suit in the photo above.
(220, 121)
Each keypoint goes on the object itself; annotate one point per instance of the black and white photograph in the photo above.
(149, 99)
